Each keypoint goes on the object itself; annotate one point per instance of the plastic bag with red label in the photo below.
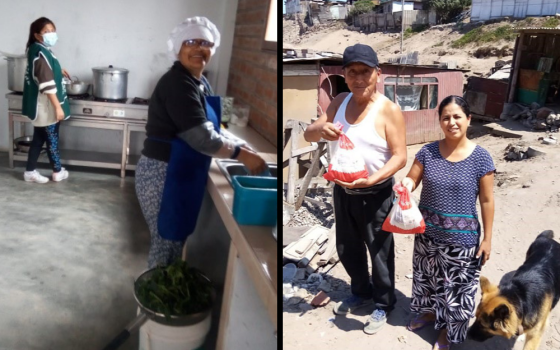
(347, 164)
(405, 217)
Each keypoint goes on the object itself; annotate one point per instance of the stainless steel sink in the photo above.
(232, 167)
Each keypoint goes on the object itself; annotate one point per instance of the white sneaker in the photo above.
(34, 176)
(61, 175)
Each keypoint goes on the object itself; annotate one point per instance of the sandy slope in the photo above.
(433, 45)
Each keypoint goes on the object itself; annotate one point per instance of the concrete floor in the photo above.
(70, 252)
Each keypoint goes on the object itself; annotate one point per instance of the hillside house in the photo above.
(391, 6)
(483, 10)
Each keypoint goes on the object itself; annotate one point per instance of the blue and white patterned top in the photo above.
(449, 194)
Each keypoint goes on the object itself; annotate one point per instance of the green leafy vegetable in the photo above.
(175, 290)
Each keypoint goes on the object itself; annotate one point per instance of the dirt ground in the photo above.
(526, 203)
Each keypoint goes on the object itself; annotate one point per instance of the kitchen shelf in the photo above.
(79, 158)
(132, 162)
(122, 160)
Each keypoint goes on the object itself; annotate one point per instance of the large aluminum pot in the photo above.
(110, 83)
(16, 72)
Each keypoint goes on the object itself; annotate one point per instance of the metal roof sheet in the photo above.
(538, 29)
(339, 58)
(422, 66)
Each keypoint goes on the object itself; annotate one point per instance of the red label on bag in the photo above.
(404, 199)
(403, 205)
(394, 229)
(347, 165)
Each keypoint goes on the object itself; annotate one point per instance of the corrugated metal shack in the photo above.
(417, 89)
(535, 74)
(486, 97)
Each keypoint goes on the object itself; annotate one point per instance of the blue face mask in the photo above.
(49, 39)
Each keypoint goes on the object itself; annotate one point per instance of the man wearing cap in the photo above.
(376, 127)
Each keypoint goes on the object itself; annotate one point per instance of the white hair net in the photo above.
(192, 28)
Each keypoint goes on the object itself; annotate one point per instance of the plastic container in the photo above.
(527, 96)
(289, 272)
(241, 111)
(227, 108)
(242, 122)
(155, 336)
(255, 200)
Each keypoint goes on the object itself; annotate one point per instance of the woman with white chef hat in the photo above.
(183, 134)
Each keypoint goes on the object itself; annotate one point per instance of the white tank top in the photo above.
(373, 148)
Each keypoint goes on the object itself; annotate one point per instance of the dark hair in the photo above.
(458, 100)
(36, 28)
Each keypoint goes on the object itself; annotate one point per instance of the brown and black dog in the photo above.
(523, 304)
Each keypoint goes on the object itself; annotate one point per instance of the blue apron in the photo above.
(185, 183)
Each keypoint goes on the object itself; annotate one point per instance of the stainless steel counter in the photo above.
(123, 117)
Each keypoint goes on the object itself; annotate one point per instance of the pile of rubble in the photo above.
(520, 151)
(318, 213)
(534, 116)
(307, 260)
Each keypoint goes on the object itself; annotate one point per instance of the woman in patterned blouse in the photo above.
(447, 258)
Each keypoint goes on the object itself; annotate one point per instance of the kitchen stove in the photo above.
(88, 97)
(87, 105)
(128, 108)
(79, 97)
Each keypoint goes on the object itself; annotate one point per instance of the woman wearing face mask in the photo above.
(44, 99)
(183, 135)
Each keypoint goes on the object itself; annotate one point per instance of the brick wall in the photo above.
(252, 72)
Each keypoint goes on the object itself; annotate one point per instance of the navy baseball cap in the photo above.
(360, 53)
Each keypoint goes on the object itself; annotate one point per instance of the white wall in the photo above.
(397, 6)
(489, 9)
(131, 34)
(293, 7)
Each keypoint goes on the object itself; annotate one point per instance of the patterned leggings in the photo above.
(41, 135)
(150, 179)
(445, 283)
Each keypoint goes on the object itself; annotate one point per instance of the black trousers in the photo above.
(359, 218)
(48, 134)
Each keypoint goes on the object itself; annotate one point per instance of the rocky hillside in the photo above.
(472, 46)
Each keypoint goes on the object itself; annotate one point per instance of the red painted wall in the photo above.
(423, 125)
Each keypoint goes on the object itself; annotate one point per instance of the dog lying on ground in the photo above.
(523, 304)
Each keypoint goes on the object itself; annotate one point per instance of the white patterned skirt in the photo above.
(149, 182)
(445, 280)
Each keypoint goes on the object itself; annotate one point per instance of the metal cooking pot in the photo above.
(76, 87)
(16, 72)
(146, 313)
(110, 83)
(23, 143)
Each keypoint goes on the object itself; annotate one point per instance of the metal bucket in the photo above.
(146, 313)
(16, 72)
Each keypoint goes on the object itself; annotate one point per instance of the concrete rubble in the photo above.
(307, 262)
(520, 151)
(309, 214)
(321, 299)
(533, 117)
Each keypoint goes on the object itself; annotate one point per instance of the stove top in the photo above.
(88, 97)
